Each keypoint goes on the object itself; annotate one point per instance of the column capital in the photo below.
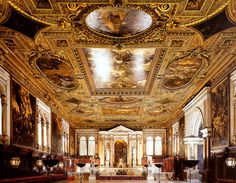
(206, 132)
(4, 100)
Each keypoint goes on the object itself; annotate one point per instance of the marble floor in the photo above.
(127, 181)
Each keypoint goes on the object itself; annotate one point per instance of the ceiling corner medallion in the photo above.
(55, 69)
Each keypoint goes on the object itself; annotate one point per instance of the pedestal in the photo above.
(92, 175)
(150, 174)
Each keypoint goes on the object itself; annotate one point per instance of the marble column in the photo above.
(43, 133)
(5, 137)
(129, 149)
(206, 176)
(137, 150)
(144, 146)
(48, 135)
(233, 107)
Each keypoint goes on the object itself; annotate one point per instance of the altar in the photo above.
(120, 147)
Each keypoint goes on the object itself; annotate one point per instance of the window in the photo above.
(82, 146)
(43, 126)
(158, 146)
(65, 137)
(149, 146)
(175, 128)
(91, 146)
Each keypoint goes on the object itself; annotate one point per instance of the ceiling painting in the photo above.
(57, 71)
(179, 73)
(117, 112)
(118, 22)
(100, 64)
(120, 69)
(120, 100)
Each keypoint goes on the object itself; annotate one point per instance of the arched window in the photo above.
(175, 129)
(91, 146)
(65, 137)
(158, 146)
(149, 146)
(43, 126)
(82, 146)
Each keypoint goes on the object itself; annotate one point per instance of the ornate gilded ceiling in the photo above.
(104, 63)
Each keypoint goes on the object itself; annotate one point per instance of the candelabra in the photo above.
(81, 165)
(190, 164)
(159, 165)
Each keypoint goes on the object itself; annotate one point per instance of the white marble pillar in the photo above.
(233, 107)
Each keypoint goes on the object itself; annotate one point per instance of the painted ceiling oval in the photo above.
(181, 72)
(57, 72)
(118, 22)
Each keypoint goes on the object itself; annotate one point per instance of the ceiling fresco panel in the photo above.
(118, 21)
(120, 69)
(180, 73)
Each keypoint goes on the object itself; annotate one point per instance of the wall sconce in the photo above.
(230, 162)
(39, 163)
(61, 165)
(15, 161)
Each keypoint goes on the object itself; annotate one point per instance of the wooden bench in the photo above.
(41, 179)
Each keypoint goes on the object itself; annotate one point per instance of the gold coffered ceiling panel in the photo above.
(103, 63)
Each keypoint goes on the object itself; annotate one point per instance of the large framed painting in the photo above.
(181, 137)
(57, 131)
(72, 141)
(169, 144)
(220, 114)
(23, 116)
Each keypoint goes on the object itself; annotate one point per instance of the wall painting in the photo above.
(23, 116)
(72, 141)
(220, 114)
(57, 131)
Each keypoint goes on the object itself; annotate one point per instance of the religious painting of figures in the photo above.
(120, 154)
(220, 114)
(23, 116)
(121, 69)
(181, 137)
(168, 141)
(72, 141)
(56, 134)
(57, 71)
(181, 72)
(119, 22)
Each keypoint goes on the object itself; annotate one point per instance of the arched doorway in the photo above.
(194, 140)
(120, 153)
